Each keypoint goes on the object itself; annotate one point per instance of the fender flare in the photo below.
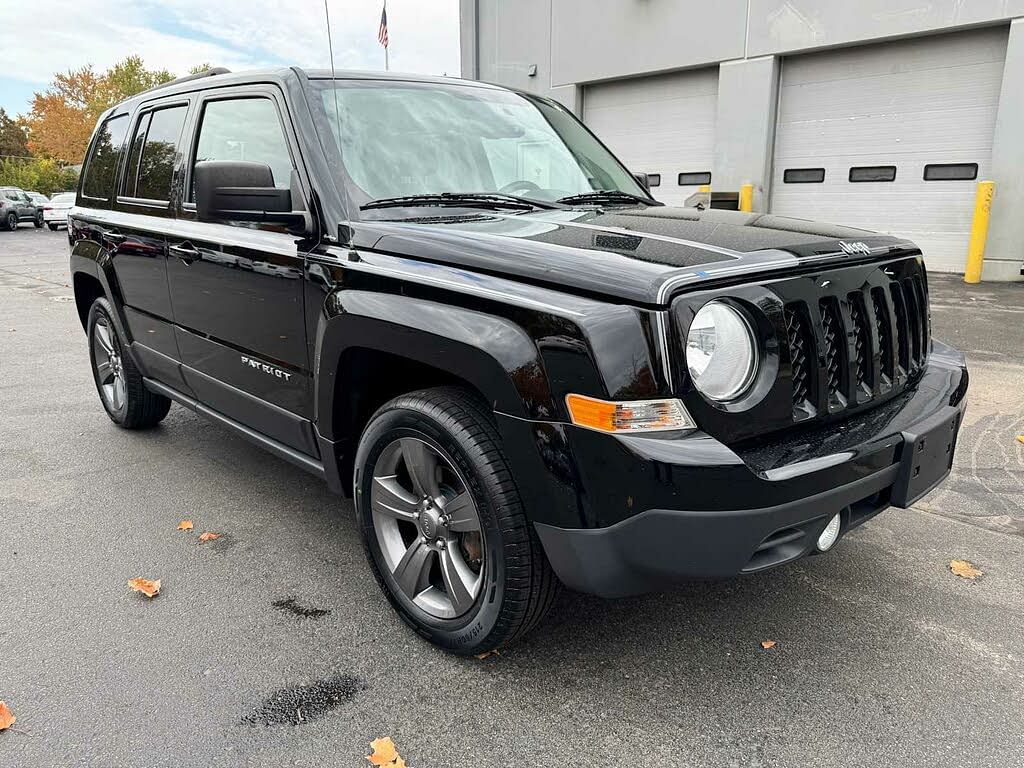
(100, 267)
(491, 353)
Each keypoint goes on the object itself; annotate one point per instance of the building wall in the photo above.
(557, 47)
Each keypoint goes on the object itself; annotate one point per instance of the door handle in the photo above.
(114, 237)
(186, 252)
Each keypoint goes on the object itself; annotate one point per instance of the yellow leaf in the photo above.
(384, 751)
(145, 586)
(1020, 438)
(7, 718)
(965, 569)
(208, 536)
(766, 644)
(185, 525)
(399, 763)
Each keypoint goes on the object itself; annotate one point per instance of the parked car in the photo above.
(16, 206)
(55, 211)
(38, 198)
(458, 307)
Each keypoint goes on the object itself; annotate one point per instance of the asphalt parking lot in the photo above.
(882, 656)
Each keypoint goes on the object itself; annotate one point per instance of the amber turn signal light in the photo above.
(630, 416)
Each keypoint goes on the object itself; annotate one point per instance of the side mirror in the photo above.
(242, 191)
(643, 180)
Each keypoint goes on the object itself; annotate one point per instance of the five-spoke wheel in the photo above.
(107, 364)
(444, 525)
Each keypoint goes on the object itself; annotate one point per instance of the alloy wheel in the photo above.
(428, 528)
(12, 221)
(107, 363)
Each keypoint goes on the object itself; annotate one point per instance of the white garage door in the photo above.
(891, 137)
(662, 125)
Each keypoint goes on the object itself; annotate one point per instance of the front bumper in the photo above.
(657, 510)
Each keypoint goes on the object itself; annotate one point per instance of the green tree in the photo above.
(126, 78)
(13, 136)
(38, 175)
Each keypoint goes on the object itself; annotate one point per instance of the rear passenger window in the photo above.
(151, 163)
(101, 167)
(244, 129)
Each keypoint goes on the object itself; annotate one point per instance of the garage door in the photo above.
(662, 125)
(891, 137)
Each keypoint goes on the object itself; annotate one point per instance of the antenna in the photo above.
(334, 78)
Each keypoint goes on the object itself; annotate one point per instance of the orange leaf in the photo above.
(487, 654)
(766, 644)
(965, 569)
(384, 751)
(7, 718)
(185, 525)
(145, 586)
(208, 536)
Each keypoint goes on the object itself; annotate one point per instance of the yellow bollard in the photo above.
(747, 198)
(979, 231)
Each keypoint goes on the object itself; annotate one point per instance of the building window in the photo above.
(951, 172)
(803, 176)
(873, 173)
(694, 179)
(653, 179)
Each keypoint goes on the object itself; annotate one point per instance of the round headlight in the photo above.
(721, 352)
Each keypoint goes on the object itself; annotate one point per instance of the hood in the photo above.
(638, 255)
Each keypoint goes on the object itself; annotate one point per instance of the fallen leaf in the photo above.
(7, 718)
(384, 752)
(145, 586)
(766, 644)
(965, 569)
(486, 654)
(1020, 438)
(185, 525)
(399, 763)
(208, 536)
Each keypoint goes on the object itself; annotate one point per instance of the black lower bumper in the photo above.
(744, 519)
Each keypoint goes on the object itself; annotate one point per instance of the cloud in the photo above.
(238, 34)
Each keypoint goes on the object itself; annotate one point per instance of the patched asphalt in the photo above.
(273, 646)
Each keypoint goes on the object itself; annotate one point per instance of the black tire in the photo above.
(518, 586)
(52, 226)
(11, 221)
(137, 407)
(39, 220)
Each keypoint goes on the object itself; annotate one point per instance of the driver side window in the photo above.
(246, 129)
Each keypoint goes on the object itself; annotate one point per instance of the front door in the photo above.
(237, 290)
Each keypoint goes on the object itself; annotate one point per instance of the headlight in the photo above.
(721, 353)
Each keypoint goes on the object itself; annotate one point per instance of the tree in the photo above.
(37, 174)
(62, 117)
(13, 139)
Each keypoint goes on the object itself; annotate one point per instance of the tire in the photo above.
(38, 221)
(118, 382)
(52, 226)
(511, 585)
(11, 221)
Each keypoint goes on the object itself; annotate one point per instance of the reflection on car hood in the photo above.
(634, 254)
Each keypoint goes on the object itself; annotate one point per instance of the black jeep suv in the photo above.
(451, 301)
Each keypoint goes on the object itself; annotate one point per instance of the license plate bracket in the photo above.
(927, 456)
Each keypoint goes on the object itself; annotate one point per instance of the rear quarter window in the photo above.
(101, 166)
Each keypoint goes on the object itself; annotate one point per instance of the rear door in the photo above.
(237, 289)
(141, 213)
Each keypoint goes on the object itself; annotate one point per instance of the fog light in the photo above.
(829, 535)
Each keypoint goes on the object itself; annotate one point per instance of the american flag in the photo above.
(382, 33)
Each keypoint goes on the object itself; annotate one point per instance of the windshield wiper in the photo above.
(607, 196)
(490, 200)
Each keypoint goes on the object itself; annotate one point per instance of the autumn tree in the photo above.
(62, 117)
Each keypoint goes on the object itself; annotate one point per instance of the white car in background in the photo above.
(55, 212)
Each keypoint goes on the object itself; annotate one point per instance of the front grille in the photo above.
(872, 340)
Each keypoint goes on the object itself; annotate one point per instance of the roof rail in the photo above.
(205, 73)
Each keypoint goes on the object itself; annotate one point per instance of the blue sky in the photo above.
(238, 34)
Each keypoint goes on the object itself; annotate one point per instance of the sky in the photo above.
(237, 34)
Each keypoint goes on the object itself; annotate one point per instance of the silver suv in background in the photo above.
(16, 206)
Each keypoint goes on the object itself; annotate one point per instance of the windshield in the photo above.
(406, 138)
